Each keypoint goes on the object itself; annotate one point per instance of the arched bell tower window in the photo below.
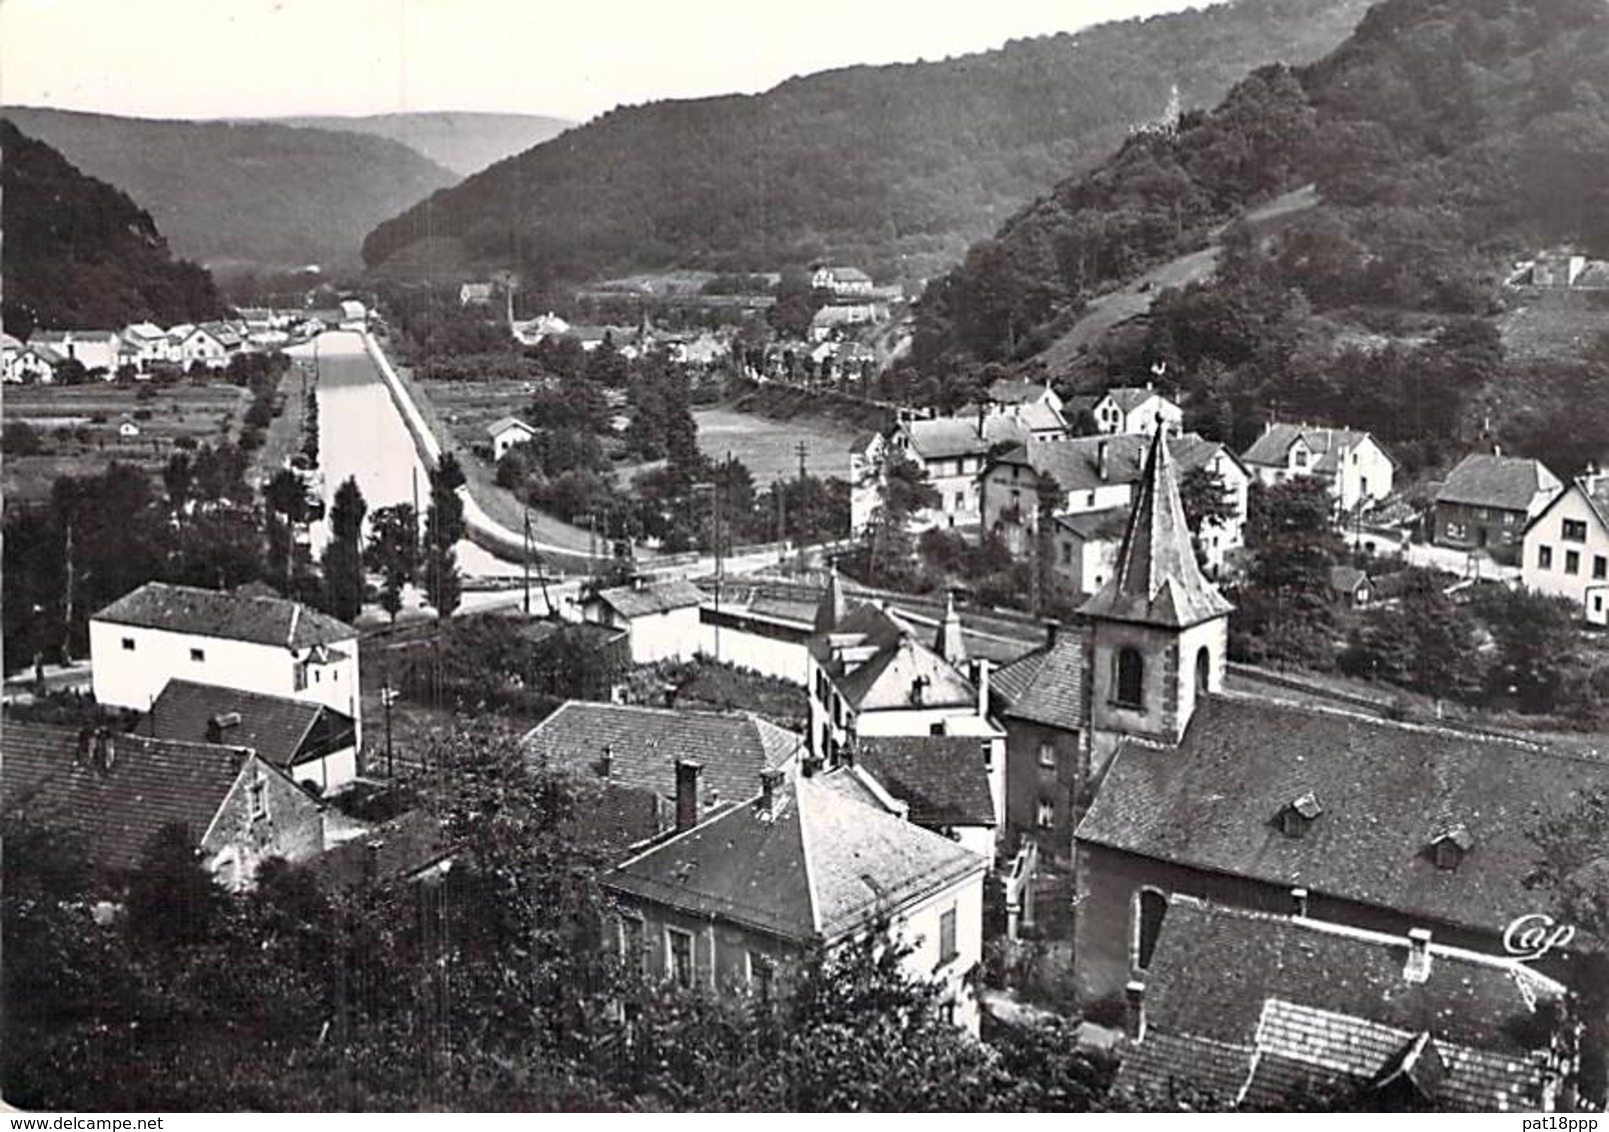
(1128, 684)
(1150, 906)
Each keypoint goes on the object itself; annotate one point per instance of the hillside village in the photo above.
(1165, 673)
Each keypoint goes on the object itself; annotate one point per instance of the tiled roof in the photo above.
(1106, 525)
(1047, 685)
(117, 810)
(229, 616)
(644, 745)
(1507, 483)
(898, 663)
(1075, 462)
(654, 597)
(504, 424)
(281, 730)
(942, 778)
(849, 275)
(1328, 444)
(945, 438)
(816, 866)
(1595, 491)
(1345, 579)
(1386, 790)
(1009, 391)
(1156, 579)
(1131, 397)
(1303, 1004)
(399, 848)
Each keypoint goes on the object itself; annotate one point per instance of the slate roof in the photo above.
(1106, 525)
(1131, 397)
(1156, 579)
(230, 616)
(281, 730)
(645, 743)
(1010, 391)
(116, 811)
(816, 867)
(1075, 462)
(504, 424)
(1507, 483)
(942, 778)
(1045, 686)
(1328, 444)
(1280, 1006)
(898, 660)
(1386, 789)
(1594, 491)
(654, 597)
(849, 275)
(945, 438)
(1346, 579)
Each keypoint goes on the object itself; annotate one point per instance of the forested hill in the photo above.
(80, 254)
(465, 142)
(1446, 138)
(896, 167)
(251, 194)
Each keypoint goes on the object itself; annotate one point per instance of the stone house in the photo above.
(1487, 502)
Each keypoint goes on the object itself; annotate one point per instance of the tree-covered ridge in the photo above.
(80, 254)
(252, 193)
(1443, 139)
(894, 167)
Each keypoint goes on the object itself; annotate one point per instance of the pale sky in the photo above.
(259, 58)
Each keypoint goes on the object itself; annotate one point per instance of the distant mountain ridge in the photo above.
(464, 141)
(79, 254)
(254, 194)
(894, 167)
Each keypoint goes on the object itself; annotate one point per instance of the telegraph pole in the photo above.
(801, 448)
(525, 560)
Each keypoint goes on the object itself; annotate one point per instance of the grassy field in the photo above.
(1560, 325)
(77, 428)
(770, 448)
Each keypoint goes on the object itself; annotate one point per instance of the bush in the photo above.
(20, 439)
(146, 392)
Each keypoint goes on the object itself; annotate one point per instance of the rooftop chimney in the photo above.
(1417, 969)
(1134, 994)
(983, 667)
(687, 772)
(1052, 630)
(770, 785)
(1299, 899)
(220, 723)
(606, 764)
(1101, 460)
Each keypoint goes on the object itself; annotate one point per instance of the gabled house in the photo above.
(953, 452)
(1096, 474)
(95, 350)
(866, 454)
(116, 792)
(1488, 500)
(689, 763)
(1128, 409)
(1566, 547)
(662, 618)
(1352, 587)
(1357, 470)
(209, 344)
(1086, 545)
(843, 282)
(148, 344)
(128, 428)
(10, 352)
(1282, 1013)
(474, 294)
(268, 645)
(315, 745)
(1039, 699)
(944, 783)
(35, 364)
(506, 432)
(870, 673)
(734, 903)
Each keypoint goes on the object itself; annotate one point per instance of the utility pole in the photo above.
(67, 602)
(801, 448)
(388, 696)
(525, 560)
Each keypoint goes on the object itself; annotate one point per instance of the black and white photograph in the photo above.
(1048, 556)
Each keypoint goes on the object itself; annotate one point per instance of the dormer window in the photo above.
(1299, 457)
(1448, 847)
(1301, 813)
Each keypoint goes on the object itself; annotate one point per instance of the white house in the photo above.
(270, 645)
(865, 479)
(1358, 470)
(34, 364)
(843, 282)
(11, 350)
(1130, 409)
(474, 294)
(95, 350)
(661, 617)
(1566, 548)
(354, 315)
(128, 428)
(833, 318)
(148, 343)
(736, 902)
(952, 452)
(506, 432)
(201, 344)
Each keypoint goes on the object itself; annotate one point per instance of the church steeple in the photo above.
(1156, 580)
(949, 644)
(832, 609)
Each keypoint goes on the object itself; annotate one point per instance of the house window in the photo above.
(198, 655)
(258, 798)
(1150, 906)
(1544, 558)
(1600, 567)
(947, 948)
(128, 644)
(1047, 813)
(1066, 554)
(300, 674)
(1575, 530)
(1047, 755)
(1089, 499)
(1572, 562)
(1128, 684)
(679, 956)
(1455, 530)
(762, 975)
(633, 946)
(1299, 457)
